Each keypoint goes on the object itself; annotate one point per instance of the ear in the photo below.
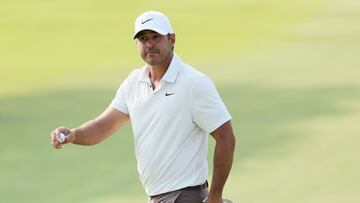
(172, 38)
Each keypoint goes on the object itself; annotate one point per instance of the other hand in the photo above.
(69, 137)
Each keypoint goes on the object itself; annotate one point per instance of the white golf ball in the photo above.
(61, 137)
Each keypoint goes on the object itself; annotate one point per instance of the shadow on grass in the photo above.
(33, 170)
(263, 117)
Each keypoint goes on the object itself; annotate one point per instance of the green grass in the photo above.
(288, 72)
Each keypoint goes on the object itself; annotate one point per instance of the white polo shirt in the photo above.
(171, 125)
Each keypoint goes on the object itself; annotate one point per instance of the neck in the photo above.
(158, 71)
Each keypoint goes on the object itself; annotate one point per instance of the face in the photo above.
(155, 49)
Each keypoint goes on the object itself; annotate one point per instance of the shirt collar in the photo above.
(145, 75)
(173, 70)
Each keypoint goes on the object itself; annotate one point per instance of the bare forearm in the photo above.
(89, 133)
(98, 129)
(223, 158)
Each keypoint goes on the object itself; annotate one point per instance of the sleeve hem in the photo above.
(120, 107)
(218, 124)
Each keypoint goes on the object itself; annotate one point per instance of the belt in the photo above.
(196, 187)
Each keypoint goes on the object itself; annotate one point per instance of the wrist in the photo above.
(215, 192)
(72, 136)
(215, 196)
(213, 200)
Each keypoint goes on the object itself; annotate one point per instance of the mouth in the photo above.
(150, 54)
(152, 51)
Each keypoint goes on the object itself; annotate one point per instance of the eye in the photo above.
(142, 38)
(157, 37)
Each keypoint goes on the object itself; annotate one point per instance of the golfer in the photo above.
(172, 109)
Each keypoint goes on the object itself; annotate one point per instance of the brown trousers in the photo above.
(181, 196)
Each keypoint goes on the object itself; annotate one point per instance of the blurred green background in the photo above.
(287, 70)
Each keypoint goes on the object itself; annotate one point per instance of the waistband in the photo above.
(196, 187)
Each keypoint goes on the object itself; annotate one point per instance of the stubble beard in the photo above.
(157, 61)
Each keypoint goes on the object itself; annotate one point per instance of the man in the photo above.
(172, 109)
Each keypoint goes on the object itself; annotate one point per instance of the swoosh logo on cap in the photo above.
(145, 21)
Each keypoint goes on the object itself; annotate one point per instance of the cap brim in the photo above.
(136, 35)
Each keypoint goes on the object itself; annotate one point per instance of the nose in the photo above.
(150, 43)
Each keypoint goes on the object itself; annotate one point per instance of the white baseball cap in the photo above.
(153, 20)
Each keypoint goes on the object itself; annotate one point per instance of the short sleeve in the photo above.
(208, 110)
(119, 102)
